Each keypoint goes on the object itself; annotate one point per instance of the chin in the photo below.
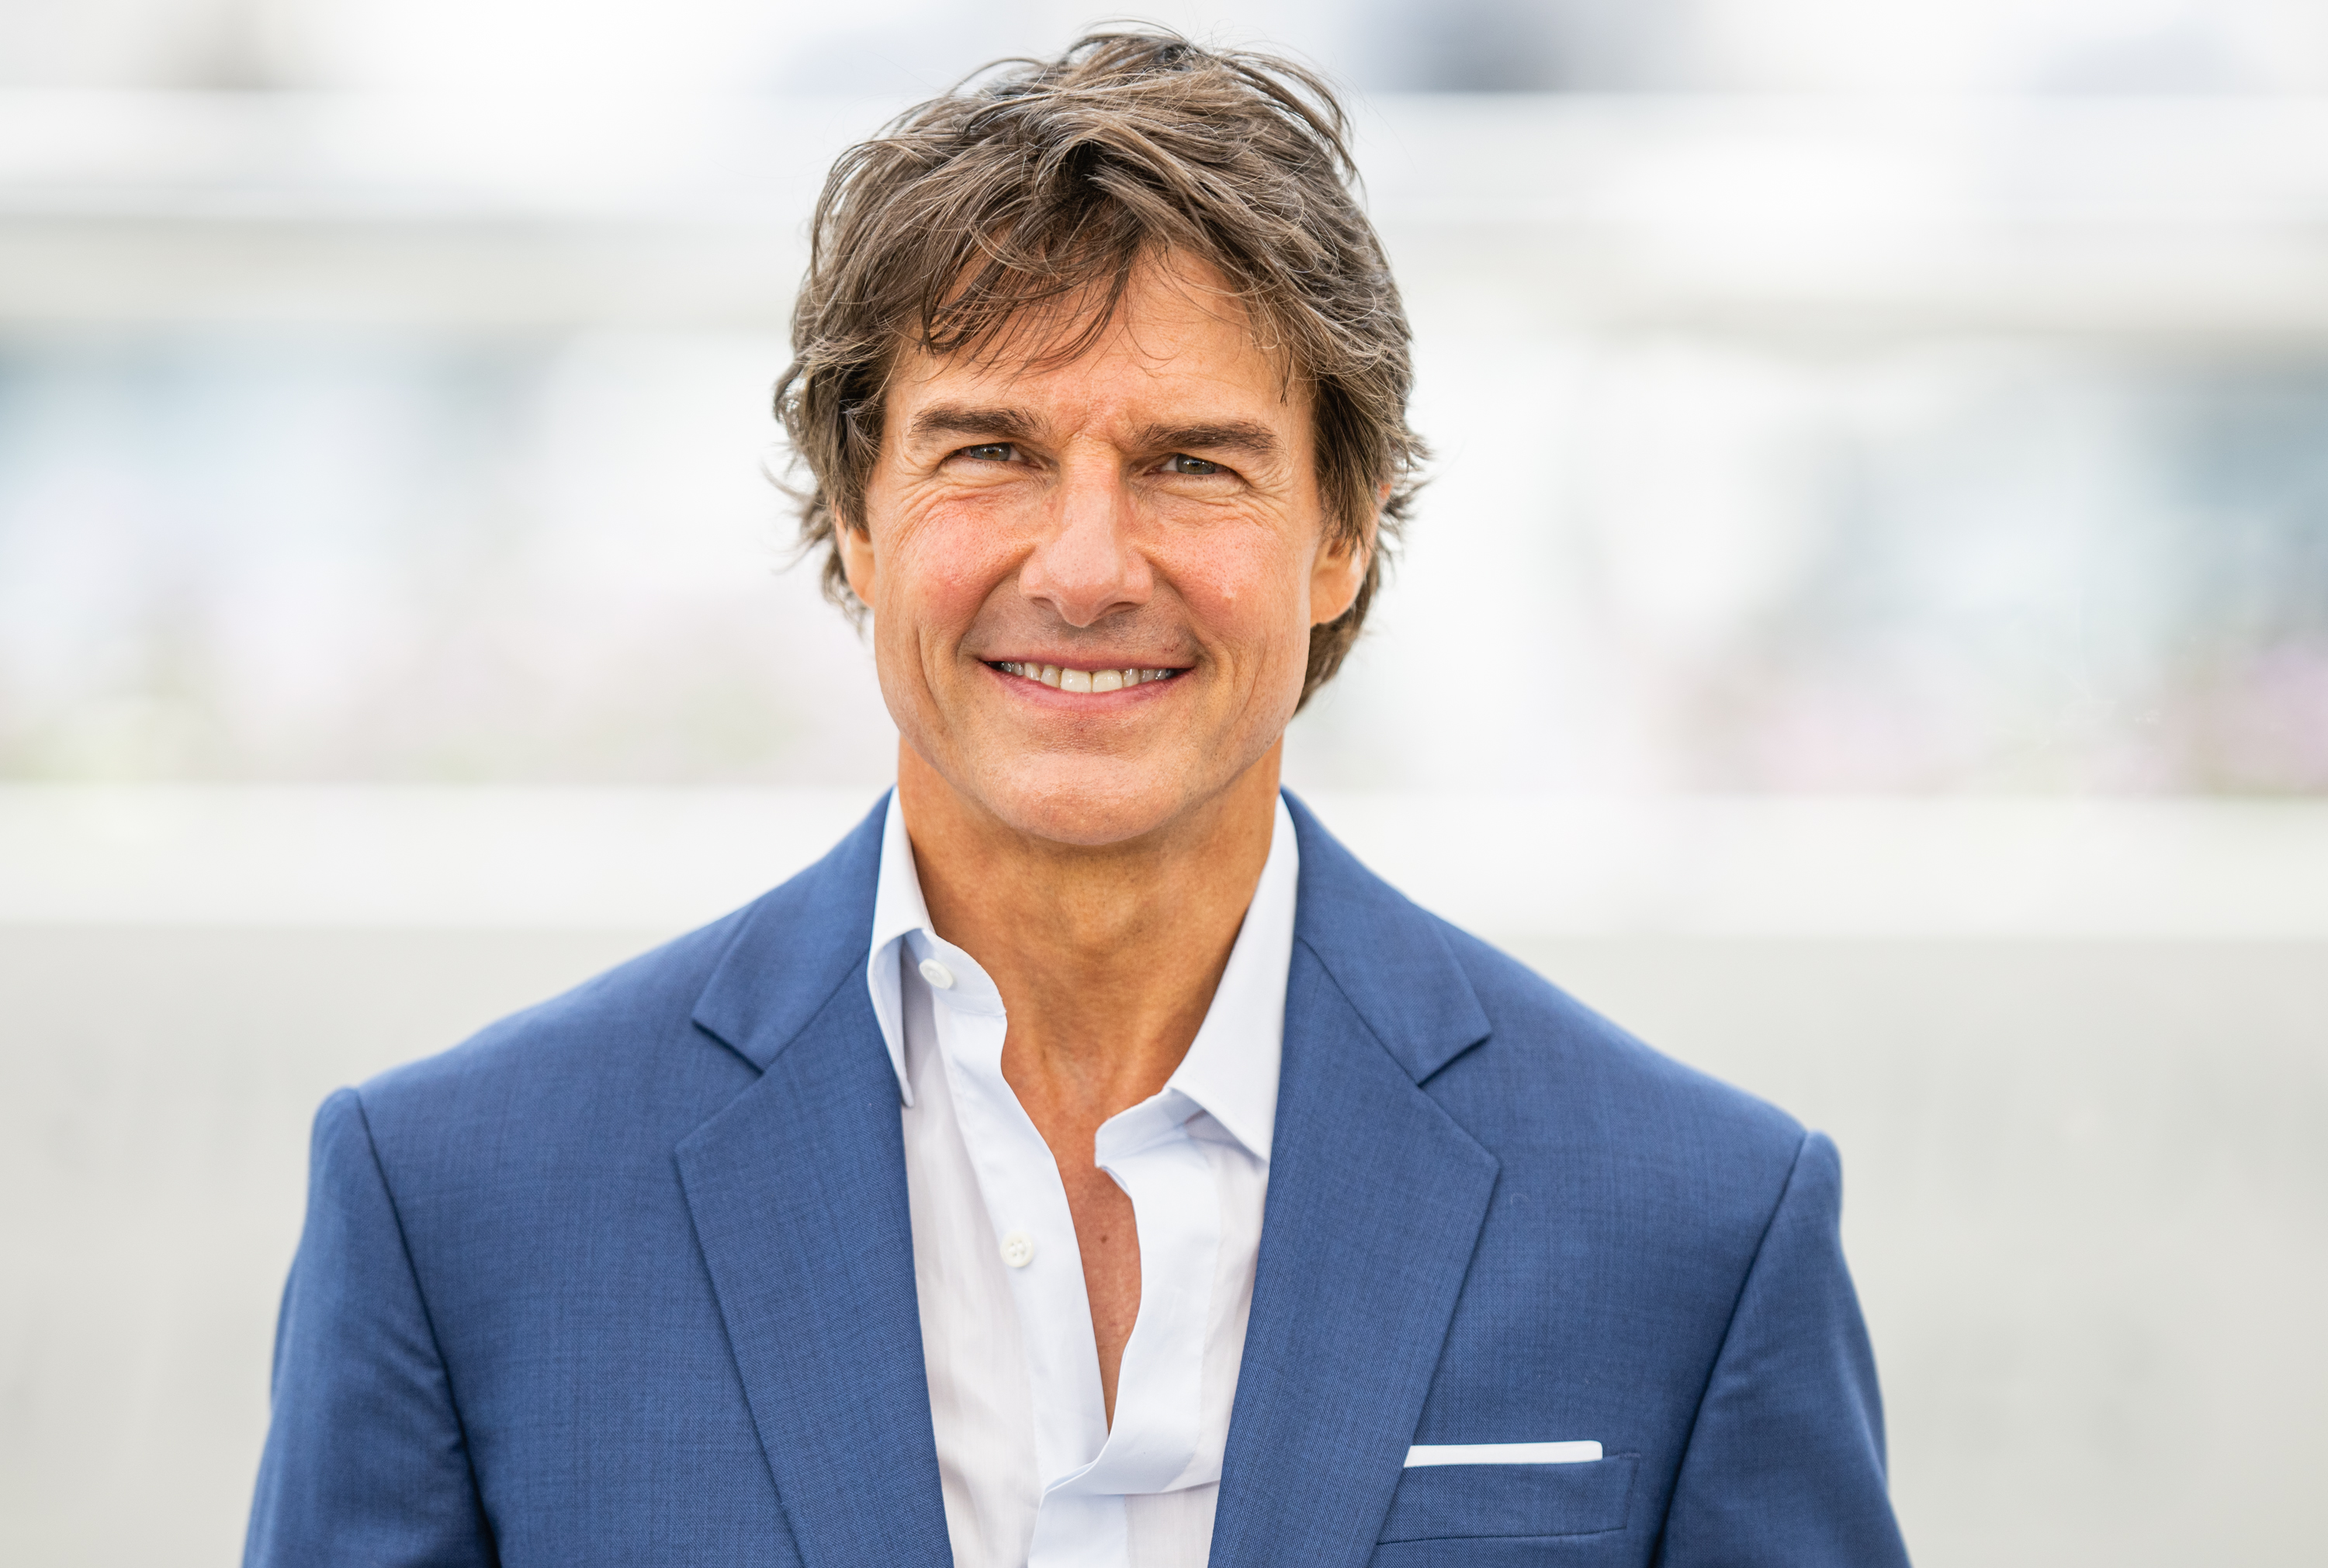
(1089, 804)
(1090, 797)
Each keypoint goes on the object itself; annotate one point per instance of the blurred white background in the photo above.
(1878, 549)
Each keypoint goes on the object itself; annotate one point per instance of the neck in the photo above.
(1106, 957)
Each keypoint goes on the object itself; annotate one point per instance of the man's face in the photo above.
(1093, 583)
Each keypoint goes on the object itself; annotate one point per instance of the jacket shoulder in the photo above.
(1553, 1070)
(586, 1043)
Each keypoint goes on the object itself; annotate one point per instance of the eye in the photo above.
(1181, 463)
(990, 452)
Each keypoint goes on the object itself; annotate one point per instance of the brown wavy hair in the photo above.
(1037, 182)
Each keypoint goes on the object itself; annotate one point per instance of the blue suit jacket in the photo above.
(627, 1280)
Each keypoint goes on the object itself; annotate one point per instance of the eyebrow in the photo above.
(962, 419)
(1017, 425)
(1233, 436)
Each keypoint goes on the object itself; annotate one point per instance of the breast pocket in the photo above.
(1485, 1502)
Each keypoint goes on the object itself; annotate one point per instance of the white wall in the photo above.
(2088, 1194)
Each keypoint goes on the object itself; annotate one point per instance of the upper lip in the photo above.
(1085, 661)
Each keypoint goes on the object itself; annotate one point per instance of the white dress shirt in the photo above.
(1033, 1475)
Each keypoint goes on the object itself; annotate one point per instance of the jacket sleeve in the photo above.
(1784, 1463)
(365, 1460)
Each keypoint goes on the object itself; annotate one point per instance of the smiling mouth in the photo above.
(1091, 681)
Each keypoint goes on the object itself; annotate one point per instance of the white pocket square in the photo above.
(1502, 1453)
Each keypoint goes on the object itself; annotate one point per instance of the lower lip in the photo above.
(1040, 690)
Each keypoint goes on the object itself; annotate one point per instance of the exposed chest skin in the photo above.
(1106, 1231)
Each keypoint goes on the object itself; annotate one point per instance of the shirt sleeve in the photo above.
(1785, 1466)
(365, 1460)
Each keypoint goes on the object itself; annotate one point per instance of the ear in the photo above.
(1337, 575)
(856, 562)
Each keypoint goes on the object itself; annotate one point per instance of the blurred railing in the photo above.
(1520, 867)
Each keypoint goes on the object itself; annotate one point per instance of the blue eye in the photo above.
(1180, 463)
(992, 452)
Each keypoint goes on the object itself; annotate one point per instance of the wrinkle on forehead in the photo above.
(1049, 336)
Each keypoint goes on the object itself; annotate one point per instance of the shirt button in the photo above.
(937, 974)
(1017, 1249)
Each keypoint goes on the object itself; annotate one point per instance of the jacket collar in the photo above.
(793, 948)
(1386, 956)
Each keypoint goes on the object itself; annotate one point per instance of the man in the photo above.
(1088, 1162)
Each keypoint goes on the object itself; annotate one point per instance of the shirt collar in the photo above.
(1231, 1069)
(898, 911)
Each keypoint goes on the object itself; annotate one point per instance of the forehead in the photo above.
(1177, 341)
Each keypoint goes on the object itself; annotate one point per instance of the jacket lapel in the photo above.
(1376, 1201)
(797, 1188)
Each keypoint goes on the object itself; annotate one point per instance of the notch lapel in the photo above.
(1376, 1202)
(797, 1188)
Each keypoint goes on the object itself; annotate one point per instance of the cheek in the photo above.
(941, 567)
(1246, 590)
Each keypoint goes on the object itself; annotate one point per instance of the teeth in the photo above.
(1081, 681)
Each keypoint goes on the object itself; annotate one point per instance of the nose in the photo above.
(1085, 567)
